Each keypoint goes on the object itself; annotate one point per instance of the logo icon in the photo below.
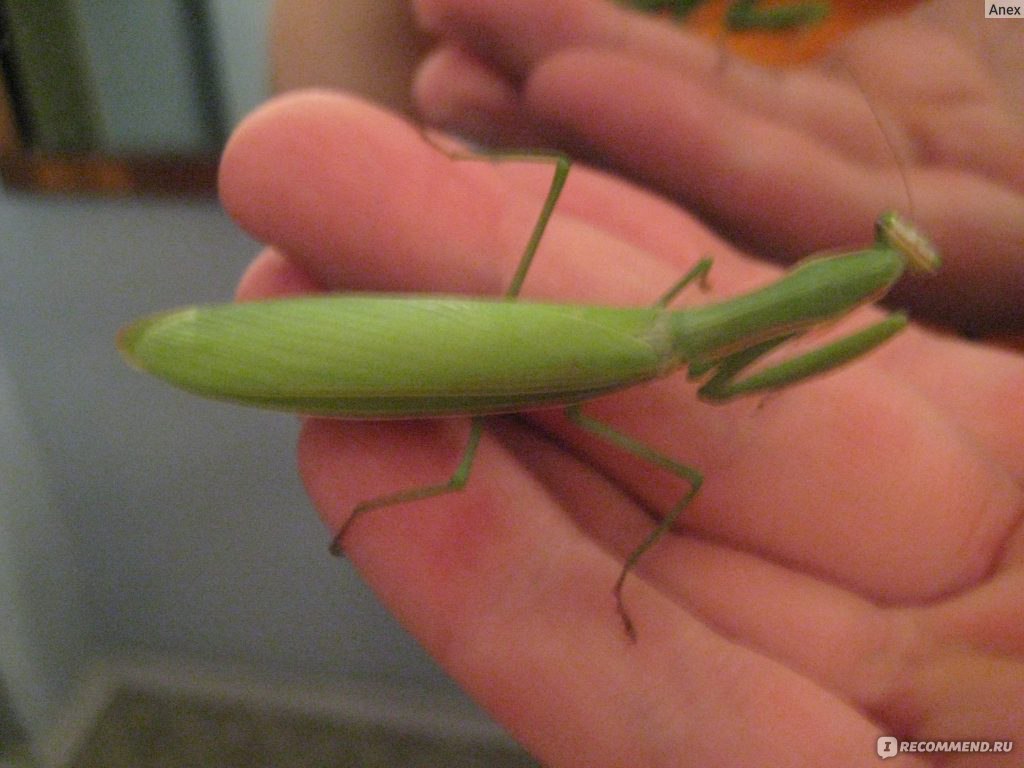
(887, 747)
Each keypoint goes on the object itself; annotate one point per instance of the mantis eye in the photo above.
(898, 233)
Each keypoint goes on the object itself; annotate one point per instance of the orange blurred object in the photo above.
(795, 46)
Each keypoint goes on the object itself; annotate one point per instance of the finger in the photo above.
(838, 639)
(456, 91)
(333, 184)
(271, 275)
(765, 182)
(977, 637)
(443, 235)
(513, 38)
(497, 585)
(818, 478)
(782, 191)
(357, 198)
(987, 380)
(953, 115)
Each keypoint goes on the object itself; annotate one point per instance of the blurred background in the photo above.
(153, 543)
(166, 596)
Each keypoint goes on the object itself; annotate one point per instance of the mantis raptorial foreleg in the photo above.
(724, 385)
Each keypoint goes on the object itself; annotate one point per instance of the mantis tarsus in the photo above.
(423, 356)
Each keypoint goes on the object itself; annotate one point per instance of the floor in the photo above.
(142, 729)
(168, 713)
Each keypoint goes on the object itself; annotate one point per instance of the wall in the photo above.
(144, 520)
(42, 629)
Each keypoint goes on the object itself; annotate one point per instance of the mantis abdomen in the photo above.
(358, 356)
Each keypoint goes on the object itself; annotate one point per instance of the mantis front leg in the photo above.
(724, 384)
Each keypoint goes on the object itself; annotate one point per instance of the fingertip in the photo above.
(271, 154)
(344, 188)
(271, 275)
(244, 159)
(450, 81)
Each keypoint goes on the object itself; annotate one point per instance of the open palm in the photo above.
(783, 162)
(852, 567)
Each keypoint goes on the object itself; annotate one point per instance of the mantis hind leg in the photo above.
(461, 475)
(562, 165)
(645, 452)
(455, 483)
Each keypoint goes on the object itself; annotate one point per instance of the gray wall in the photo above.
(142, 84)
(134, 518)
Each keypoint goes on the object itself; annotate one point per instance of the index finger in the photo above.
(357, 199)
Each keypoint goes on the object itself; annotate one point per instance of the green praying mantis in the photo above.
(384, 356)
(745, 14)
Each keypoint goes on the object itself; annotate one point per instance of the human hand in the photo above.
(784, 162)
(852, 566)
